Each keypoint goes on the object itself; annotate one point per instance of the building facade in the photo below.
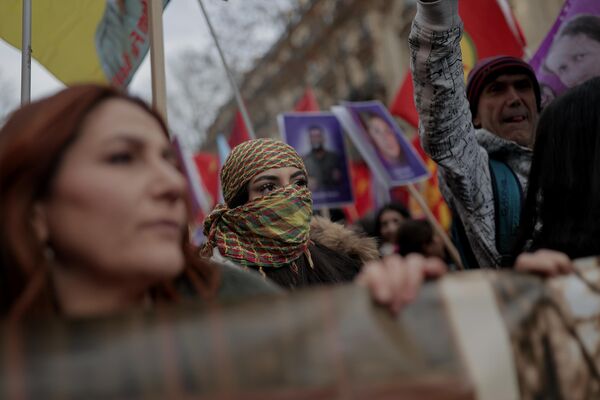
(345, 50)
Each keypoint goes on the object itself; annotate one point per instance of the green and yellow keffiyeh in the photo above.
(272, 230)
(253, 157)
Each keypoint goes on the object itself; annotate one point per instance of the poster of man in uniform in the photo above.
(319, 139)
(570, 53)
(381, 142)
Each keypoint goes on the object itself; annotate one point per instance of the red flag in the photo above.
(208, 168)
(239, 132)
(404, 103)
(362, 191)
(308, 102)
(479, 41)
(430, 191)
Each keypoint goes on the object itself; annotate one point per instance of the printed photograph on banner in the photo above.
(319, 139)
(382, 143)
(570, 53)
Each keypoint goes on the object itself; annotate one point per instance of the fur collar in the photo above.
(341, 239)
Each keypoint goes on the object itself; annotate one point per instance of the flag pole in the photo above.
(26, 54)
(454, 255)
(157, 58)
(234, 87)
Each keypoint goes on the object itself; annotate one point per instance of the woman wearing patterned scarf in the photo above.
(265, 223)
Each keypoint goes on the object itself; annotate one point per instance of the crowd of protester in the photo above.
(78, 236)
(93, 204)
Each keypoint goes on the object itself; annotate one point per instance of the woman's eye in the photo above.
(267, 188)
(170, 157)
(301, 183)
(495, 88)
(120, 158)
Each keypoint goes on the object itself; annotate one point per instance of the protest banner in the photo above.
(381, 143)
(83, 40)
(570, 53)
(475, 335)
(319, 139)
(390, 156)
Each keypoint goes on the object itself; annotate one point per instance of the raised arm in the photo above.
(445, 124)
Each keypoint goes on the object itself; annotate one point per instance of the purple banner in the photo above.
(381, 143)
(570, 53)
(319, 139)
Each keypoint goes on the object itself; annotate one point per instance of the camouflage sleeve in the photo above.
(445, 127)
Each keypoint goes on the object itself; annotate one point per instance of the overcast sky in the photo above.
(184, 27)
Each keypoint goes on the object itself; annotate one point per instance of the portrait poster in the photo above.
(381, 142)
(570, 53)
(319, 139)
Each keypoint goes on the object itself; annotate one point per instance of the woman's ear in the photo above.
(39, 221)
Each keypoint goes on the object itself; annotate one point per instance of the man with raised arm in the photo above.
(468, 131)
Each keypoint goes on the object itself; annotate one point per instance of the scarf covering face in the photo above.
(252, 157)
(272, 230)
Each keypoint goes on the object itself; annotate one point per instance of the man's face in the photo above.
(574, 59)
(507, 108)
(316, 139)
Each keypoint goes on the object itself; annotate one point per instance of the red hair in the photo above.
(32, 144)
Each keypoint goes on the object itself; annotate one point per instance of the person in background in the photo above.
(474, 133)
(388, 221)
(417, 236)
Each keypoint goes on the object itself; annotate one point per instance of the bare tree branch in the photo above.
(246, 30)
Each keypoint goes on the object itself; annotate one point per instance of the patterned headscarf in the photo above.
(253, 157)
(270, 231)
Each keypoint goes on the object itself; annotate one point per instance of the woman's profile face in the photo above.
(574, 59)
(115, 208)
(384, 138)
(273, 179)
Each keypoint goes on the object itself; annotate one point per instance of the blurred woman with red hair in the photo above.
(92, 207)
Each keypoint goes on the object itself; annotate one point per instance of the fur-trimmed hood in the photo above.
(341, 239)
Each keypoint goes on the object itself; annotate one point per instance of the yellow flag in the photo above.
(83, 40)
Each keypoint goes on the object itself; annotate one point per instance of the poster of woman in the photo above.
(570, 53)
(381, 142)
